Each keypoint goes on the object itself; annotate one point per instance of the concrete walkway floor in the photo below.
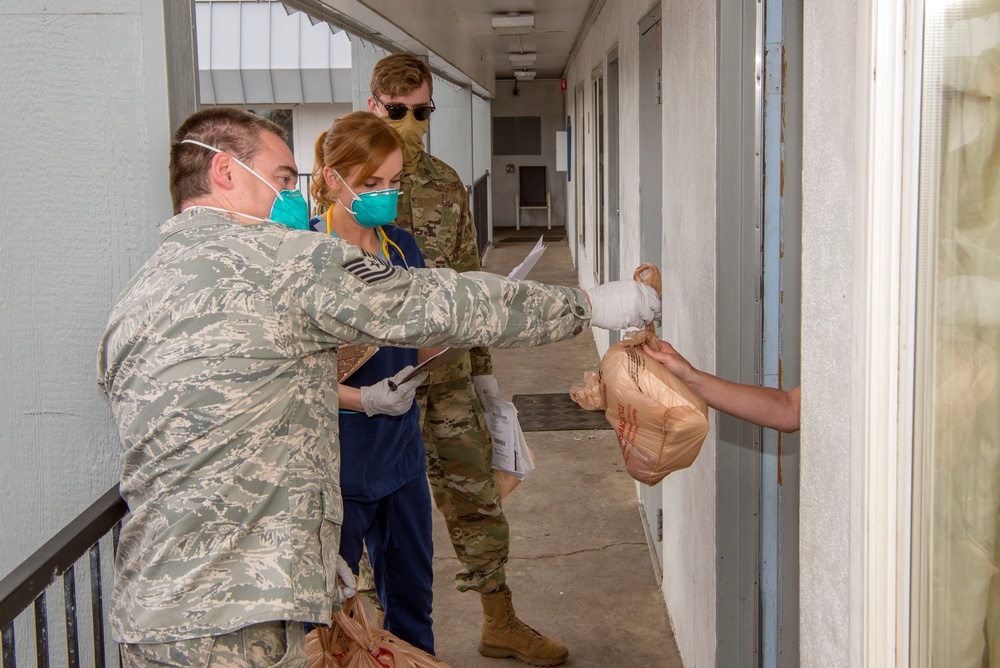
(580, 569)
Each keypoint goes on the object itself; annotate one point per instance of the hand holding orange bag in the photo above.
(660, 422)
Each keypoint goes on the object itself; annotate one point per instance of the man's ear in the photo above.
(373, 106)
(220, 171)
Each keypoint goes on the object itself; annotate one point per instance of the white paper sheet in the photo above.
(510, 450)
(521, 271)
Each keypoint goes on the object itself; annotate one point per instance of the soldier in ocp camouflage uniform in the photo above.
(219, 362)
(433, 205)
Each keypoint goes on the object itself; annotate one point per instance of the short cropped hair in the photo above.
(234, 131)
(400, 74)
(360, 140)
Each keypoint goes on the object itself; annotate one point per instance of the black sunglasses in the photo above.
(398, 111)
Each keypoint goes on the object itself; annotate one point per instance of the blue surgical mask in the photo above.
(372, 209)
(289, 207)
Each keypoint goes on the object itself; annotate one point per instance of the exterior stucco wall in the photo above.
(830, 226)
(688, 264)
(689, 293)
(83, 190)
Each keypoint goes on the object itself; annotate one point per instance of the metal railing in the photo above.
(305, 186)
(28, 585)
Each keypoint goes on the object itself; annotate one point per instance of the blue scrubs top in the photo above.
(382, 453)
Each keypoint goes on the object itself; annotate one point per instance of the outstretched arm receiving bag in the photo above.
(660, 422)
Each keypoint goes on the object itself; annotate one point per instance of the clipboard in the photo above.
(433, 362)
(350, 357)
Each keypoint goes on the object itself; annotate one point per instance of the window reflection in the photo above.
(960, 228)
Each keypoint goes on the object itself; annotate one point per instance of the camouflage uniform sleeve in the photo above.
(352, 297)
(467, 259)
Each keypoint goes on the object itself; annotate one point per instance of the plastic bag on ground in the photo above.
(354, 642)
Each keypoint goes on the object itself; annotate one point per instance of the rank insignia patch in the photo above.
(369, 269)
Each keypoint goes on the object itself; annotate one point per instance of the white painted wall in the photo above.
(541, 98)
(688, 266)
(84, 109)
(364, 55)
(616, 25)
(482, 136)
(689, 293)
(832, 161)
(308, 121)
(450, 135)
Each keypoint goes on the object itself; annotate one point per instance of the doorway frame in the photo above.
(651, 182)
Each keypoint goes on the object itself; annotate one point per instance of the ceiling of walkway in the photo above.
(557, 25)
(458, 36)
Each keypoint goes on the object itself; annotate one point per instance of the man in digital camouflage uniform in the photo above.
(433, 205)
(219, 362)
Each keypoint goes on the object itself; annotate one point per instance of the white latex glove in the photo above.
(623, 304)
(346, 576)
(390, 396)
(485, 385)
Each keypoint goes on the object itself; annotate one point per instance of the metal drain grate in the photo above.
(555, 412)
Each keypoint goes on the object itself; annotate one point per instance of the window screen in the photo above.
(517, 135)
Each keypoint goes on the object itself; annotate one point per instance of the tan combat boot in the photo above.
(504, 635)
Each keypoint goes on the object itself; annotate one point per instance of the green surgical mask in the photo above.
(372, 209)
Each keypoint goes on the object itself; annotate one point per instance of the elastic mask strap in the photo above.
(238, 162)
(235, 213)
(354, 195)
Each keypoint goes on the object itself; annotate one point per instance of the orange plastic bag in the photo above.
(353, 642)
(660, 422)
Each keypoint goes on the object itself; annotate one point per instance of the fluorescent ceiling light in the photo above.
(524, 75)
(513, 25)
(522, 59)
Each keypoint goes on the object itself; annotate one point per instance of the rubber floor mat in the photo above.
(523, 240)
(555, 412)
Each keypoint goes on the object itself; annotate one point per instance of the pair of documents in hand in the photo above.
(512, 460)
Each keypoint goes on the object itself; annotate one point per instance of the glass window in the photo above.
(956, 601)
(282, 117)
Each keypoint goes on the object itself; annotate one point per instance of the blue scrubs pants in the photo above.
(397, 531)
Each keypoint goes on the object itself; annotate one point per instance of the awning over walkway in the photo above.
(258, 53)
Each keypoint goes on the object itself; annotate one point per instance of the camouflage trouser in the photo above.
(270, 644)
(460, 470)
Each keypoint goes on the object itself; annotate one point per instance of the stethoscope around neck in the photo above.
(384, 241)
